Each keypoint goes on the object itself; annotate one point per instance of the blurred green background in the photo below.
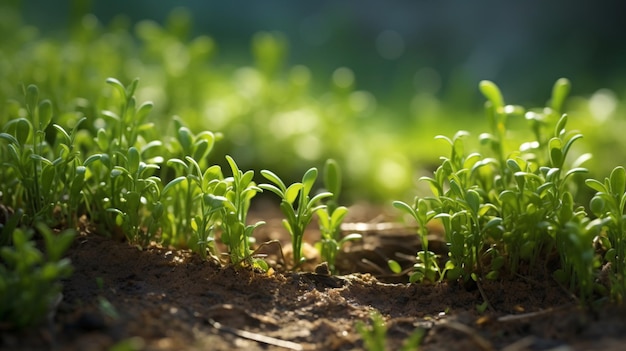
(290, 83)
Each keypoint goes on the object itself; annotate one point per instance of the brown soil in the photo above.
(161, 299)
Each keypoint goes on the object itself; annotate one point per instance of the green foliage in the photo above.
(375, 335)
(38, 174)
(518, 205)
(297, 216)
(29, 279)
(608, 205)
(426, 267)
(331, 216)
(72, 146)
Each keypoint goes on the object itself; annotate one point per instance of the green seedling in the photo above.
(426, 267)
(331, 217)
(300, 215)
(42, 174)
(189, 180)
(197, 200)
(608, 205)
(223, 203)
(375, 335)
(513, 206)
(236, 233)
(123, 181)
(132, 186)
(29, 280)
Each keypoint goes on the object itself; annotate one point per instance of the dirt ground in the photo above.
(123, 298)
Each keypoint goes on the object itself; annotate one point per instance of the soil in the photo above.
(124, 298)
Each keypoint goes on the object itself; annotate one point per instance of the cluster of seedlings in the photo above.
(90, 154)
(498, 211)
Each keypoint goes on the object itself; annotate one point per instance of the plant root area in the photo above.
(123, 298)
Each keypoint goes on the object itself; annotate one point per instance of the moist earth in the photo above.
(121, 297)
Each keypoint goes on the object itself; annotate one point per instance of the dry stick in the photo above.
(268, 243)
(515, 317)
(256, 337)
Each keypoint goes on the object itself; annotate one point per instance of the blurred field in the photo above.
(289, 86)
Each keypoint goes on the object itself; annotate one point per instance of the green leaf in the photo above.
(351, 237)
(455, 188)
(394, 266)
(434, 186)
(319, 197)
(8, 137)
(323, 218)
(332, 177)
(597, 206)
(273, 189)
(596, 185)
(102, 140)
(556, 155)
(56, 244)
(492, 93)
(23, 129)
(403, 206)
(560, 125)
(568, 144)
(559, 92)
(185, 139)
(31, 98)
(233, 166)
(214, 201)
(66, 137)
(172, 184)
(143, 111)
(117, 85)
(45, 114)
(292, 192)
(201, 149)
(308, 180)
(618, 181)
(130, 89)
(194, 166)
(288, 211)
(133, 160)
(509, 198)
(473, 200)
(494, 222)
(272, 177)
(337, 217)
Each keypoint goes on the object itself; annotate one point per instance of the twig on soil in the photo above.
(255, 253)
(481, 342)
(256, 337)
(516, 317)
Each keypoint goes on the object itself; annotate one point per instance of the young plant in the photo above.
(122, 182)
(134, 187)
(608, 205)
(426, 267)
(29, 280)
(197, 206)
(236, 233)
(190, 152)
(297, 216)
(375, 335)
(223, 203)
(516, 206)
(46, 175)
(331, 217)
